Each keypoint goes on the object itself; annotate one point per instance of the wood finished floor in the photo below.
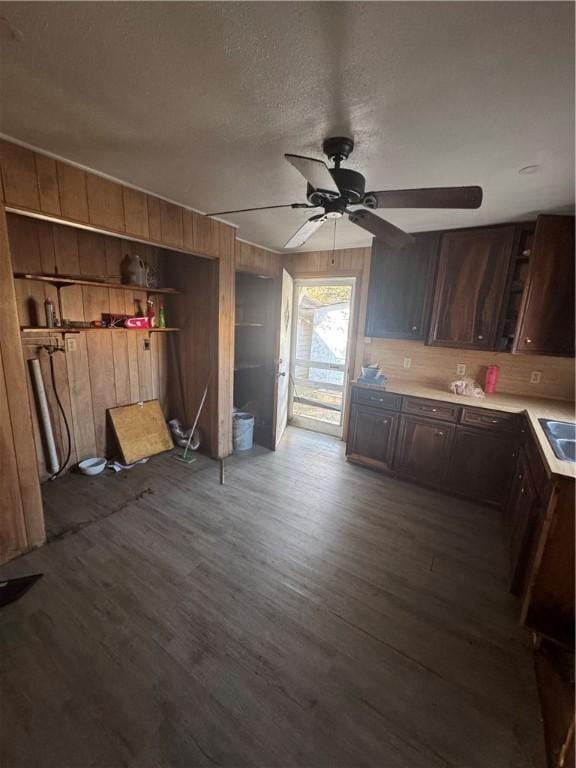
(309, 613)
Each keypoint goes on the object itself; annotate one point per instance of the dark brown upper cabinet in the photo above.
(546, 324)
(471, 277)
(400, 288)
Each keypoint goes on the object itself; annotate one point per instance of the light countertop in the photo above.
(535, 408)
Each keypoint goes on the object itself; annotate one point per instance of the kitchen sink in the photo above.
(562, 437)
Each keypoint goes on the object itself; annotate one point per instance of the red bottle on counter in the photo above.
(492, 373)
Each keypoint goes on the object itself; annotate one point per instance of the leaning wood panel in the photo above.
(22, 445)
(19, 176)
(140, 430)
(105, 202)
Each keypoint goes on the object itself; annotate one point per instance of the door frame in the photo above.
(353, 278)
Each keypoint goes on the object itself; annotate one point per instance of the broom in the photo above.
(184, 456)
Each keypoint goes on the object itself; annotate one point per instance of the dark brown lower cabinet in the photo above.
(423, 450)
(481, 464)
(372, 436)
(523, 519)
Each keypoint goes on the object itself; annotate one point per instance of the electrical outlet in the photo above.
(407, 362)
(535, 377)
(70, 344)
(461, 369)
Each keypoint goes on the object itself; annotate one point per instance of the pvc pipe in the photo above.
(44, 413)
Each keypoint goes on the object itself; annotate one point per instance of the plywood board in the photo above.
(140, 430)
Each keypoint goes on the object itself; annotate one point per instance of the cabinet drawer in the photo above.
(376, 398)
(482, 417)
(432, 409)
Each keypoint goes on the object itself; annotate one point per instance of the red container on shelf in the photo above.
(137, 322)
(492, 373)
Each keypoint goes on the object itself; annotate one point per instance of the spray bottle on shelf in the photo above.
(50, 311)
(151, 314)
(161, 315)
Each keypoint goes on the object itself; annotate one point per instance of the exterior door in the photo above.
(321, 339)
(283, 364)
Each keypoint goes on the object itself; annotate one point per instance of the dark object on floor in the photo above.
(13, 589)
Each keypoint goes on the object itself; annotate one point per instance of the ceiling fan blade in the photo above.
(433, 197)
(382, 230)
(262, 208)
(315, 172)
(306, 230)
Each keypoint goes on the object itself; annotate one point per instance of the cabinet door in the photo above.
(472, 269)
(523, 522)
(423, 450)
(546, 325)
(400, 288)
(482, 464)
(371, 436)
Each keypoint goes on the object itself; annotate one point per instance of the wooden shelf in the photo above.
(249, 325)
(81, 330)
(61, 281)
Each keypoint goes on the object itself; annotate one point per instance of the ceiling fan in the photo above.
(339, 190)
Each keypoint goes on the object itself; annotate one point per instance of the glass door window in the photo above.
(321, 340)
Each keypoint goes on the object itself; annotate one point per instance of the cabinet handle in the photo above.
(520, 476)
(522, 489)
(427, 408)
(528, 341)
(439, 434)
(377, 399)
(414, 328)
(480, 337)
(384, 421)
(494, 421)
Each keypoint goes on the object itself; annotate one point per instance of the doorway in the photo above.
(321, 340)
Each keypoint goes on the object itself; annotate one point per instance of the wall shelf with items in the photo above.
(63, 281)
(91, 328)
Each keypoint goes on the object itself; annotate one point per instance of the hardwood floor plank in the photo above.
(307, 613)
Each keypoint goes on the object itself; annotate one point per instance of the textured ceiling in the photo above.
(197, 102)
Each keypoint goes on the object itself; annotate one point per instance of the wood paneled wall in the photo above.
(107, 368)
(21, 517)
(194, 359)
(250, 258)
(32, 182)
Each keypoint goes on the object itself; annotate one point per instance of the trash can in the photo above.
(242, 431)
